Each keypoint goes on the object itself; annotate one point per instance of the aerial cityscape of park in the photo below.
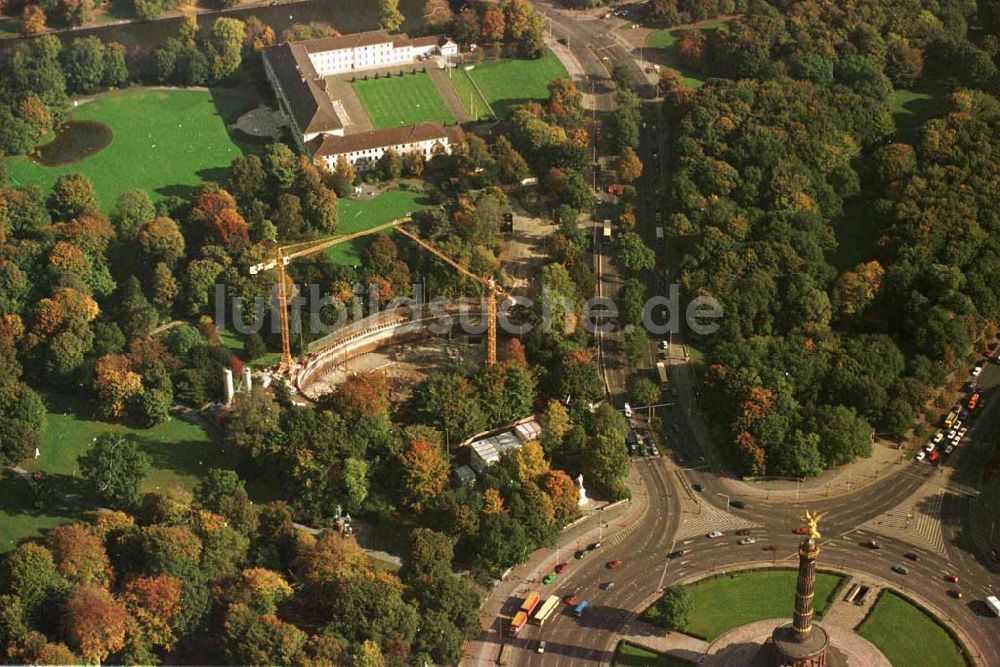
(530, 332)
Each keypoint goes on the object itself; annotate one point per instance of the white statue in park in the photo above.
(583, 491)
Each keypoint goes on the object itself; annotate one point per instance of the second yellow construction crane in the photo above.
(494, 292)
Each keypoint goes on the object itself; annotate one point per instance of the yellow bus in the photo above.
(661, 370)
(546, 610)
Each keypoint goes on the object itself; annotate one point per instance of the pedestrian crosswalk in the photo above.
(704, 517)
(916, 521)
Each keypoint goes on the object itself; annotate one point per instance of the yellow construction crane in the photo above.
(494, 291)
(285, 254)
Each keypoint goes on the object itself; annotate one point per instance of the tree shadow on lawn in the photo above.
(26, 517)
(183, 457)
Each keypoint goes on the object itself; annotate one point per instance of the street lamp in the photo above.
(727, 499)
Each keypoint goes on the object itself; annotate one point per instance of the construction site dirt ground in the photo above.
(405, 365)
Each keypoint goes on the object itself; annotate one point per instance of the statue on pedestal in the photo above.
(583, 491)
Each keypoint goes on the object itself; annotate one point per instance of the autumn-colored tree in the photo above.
(691, 48)
(493, 502)
(71, 195)
(493, 26)
(437, 14)
(160, 240)
(33, 111)
(116, 384)
(855, 290)
(95, 622)
(328, 558)
(262, 590)
(531, 463)
(343, 177)
(231, 229)
(254, 639)
(563, 492)
(629, 166)
(513, 353)
(155, 603)
(91, 232)
(362, 394)
(108, 523)
(259, 35)
(32, 20)
(79, 554)
(67, 257)
(424, 471)
(389, 16)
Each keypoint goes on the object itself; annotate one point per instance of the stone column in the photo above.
(804, 591)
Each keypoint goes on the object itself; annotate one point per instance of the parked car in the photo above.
(593, 546)
(872, 544)
(580, 554)
(912, 556)
(561, 567)
(675, 554)
(934, 456)
(571, 598)
(541, 646)
(921, 455)
(614, 564)
(801, 530)
(957, 594)
(747, 540)
(900, 569)
(953, 578)
(976, 370)
(738, 504)
(962, 431)
(549, 578)
(938, 437)
(698, 487)
(714, 534)
(949, 449)
(607, 585)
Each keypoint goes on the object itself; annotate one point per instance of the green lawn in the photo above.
(630, 655)
(894, 623)
(506, 83)
(666, 41)
(360, 214)
(402, 100)
(910, 109)
(166, 141)
(180, 450)
(750, 596)
(19, 520)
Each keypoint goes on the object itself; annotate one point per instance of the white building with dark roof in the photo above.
(298, 71)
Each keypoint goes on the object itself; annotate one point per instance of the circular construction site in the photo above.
(404, 365)
(405, 346)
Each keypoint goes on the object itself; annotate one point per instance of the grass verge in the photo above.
(750, 596)
(402, 100)
(892, 626)
(631, 655)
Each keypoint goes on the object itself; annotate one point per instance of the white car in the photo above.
(541, 646)
(938, 437)
(957, 425)
(930, 447)
(920, 456)
(962, 431)
(714, 534)
(949, 449)
(952, 433)
(977, 369)
(748, 540)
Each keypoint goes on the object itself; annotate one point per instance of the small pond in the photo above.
(75, 141)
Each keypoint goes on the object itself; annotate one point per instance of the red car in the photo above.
(561, 567)
(801, 530)
(953, 578)
(613, 564)
(571, 598)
